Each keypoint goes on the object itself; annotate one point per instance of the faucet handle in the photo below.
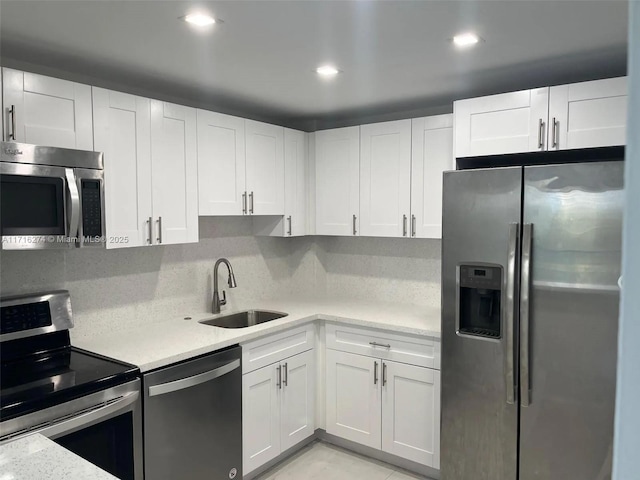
(223, 300)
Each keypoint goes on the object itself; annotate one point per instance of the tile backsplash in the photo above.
(113, 289)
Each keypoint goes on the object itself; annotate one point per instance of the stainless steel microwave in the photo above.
(50, 197)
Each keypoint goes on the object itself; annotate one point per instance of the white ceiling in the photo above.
(395, 55)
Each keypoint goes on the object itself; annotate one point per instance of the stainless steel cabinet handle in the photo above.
(285, 378)
(375, 372)
(251, 203)
(244, 203)
(279, 382)
(540, 134)
(404, 225)
(376, 344)
(194, 380)
(525, 285)
(384, 374)
(150, 228)
(159, 230)
(74, 196)
(12, 112)
(354, 224)
(289, 220)
(413, 225)
(509, 349)
(554, 130)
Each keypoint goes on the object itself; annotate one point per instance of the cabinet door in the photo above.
(385, 179)
(353, 398)
(122, 131)
(588, 114)
(297, 412)
(512, 122)
(265, 168)
(174, 166)
(47, 111)
(260, 416)
(411, 412)
(432, 154)
(295, 177)
(337, 174)
(221, 164)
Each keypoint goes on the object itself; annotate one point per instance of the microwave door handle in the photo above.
(74, 423)
(74, 215)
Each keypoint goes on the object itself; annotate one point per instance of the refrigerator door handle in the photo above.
(525, 287)
(509, 344)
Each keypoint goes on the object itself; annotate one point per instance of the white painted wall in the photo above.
(627, 433)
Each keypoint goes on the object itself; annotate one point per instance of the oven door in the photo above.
(40, 206)
(104, 428)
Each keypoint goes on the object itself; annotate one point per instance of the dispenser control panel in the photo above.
(479, 301)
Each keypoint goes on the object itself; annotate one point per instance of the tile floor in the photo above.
(321, 461)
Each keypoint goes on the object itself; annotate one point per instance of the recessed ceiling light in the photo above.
(199, 19)
(327, 70)
(466, 39)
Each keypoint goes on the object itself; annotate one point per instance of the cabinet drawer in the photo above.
(420, 351)
(271, 349)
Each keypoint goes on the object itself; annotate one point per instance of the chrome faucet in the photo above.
(217, 302)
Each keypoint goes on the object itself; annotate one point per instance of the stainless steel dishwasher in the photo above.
(193, 419)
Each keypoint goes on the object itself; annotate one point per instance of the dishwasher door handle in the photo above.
(194, 380)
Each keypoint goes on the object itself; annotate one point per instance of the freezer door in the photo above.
(481, 216)
(569, 319)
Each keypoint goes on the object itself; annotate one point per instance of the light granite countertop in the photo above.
(164, 342)
(37, 457)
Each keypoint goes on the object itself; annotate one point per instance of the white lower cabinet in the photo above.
(354, 398)
(411, 412)
(278, 408)
(384, 404)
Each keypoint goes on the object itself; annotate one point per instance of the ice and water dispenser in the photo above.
(479, 309)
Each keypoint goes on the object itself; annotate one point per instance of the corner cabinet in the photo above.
(46, 111)
(337, 181)
(278, 394)
(431, 155)
(385, 179)
(383, 391)
(149, 151)
(221, 164)
(264, 168)
(579, 115)
(294, 222)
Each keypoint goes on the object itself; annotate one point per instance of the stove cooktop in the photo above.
(48, 377)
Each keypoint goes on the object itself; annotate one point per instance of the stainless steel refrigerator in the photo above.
(531, 283)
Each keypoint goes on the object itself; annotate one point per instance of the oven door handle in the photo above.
(72, 423)
(74, 217)
(194, 380)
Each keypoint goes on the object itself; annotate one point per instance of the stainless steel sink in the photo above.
(244, 319)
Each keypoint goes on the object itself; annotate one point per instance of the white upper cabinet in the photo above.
(337, 181)
(588, 114)
(512, 122)
(264, 168)
(221, 164)
(411, 398)
(46, 111)
(432, 154)
(295, 178)
(385, 179)
(122, 131)
(174, 172)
